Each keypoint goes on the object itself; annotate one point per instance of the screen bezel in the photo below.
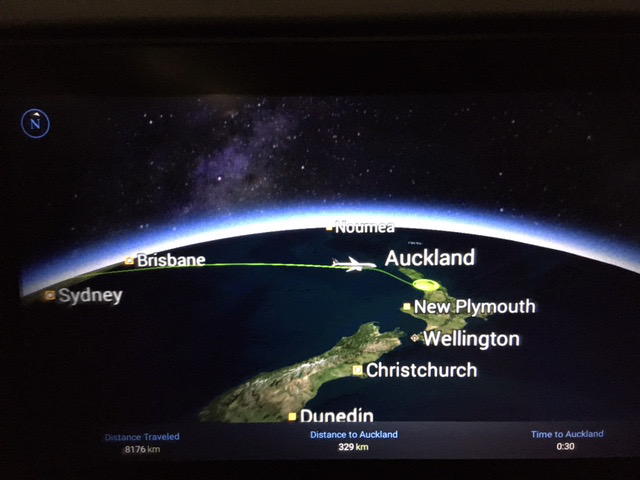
(293, 66)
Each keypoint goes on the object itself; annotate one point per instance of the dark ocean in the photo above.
(181, 337)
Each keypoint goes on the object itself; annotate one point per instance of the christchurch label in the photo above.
(430, 370)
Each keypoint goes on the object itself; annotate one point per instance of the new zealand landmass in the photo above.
(445, 322)
(270, 396)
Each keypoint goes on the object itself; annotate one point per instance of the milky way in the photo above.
(568, 160)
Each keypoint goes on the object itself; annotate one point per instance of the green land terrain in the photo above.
(445, 322)
(270, 396)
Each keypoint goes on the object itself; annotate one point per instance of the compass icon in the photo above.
(35, 123)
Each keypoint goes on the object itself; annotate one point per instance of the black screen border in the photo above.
(272, 66)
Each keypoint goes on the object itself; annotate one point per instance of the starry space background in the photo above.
(116, 166)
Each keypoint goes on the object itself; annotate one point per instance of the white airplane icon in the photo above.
(353, 264)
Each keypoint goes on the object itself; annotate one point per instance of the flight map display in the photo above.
(373, 277)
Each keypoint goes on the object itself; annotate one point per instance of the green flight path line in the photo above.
(252, 264)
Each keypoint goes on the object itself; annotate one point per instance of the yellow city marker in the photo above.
(49, 295)
(293, 416)
(129, 260)
(329, 229)
(358, 370)
(406, 306)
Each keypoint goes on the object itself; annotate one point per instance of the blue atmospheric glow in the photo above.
(301, 217)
